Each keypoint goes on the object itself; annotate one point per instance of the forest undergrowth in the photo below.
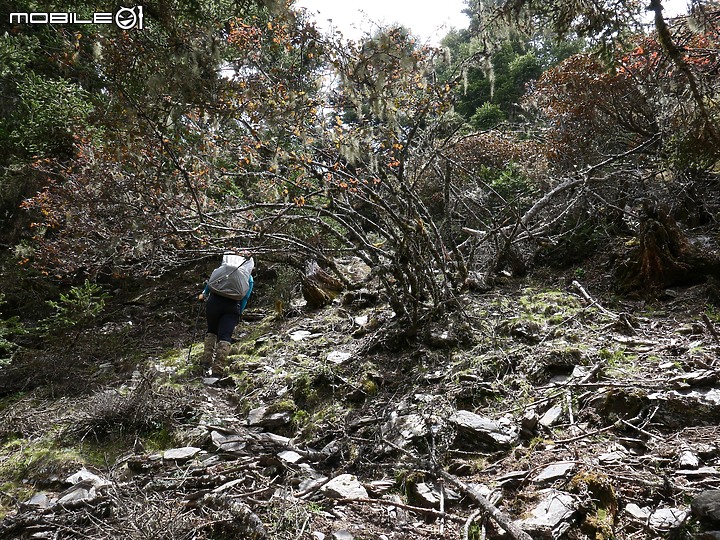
(547, 388)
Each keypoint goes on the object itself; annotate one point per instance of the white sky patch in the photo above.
(430, 21)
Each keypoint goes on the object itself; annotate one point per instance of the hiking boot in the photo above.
(206, 360)
(221, 353)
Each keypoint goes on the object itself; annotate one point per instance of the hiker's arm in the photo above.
(245, 299)
(206, 292)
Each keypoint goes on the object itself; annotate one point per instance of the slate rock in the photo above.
(345, 486)
(441, 339)
(556, 471)
(342, 535)
(512, 479)
(300, 335)
(664, 519)
(309, 484)
(339, 357)
(429, 494)
(181, 454)
(83, 475)
(706, 506)
(638, 513)
(405, 429)
(528, 423)
(379, 487)
(262, 417)
(290, 456)
(233, 443)
(39, 500)
(77, 493)
(702, 471)
(552, 416)
(476, 430)
(552, 517)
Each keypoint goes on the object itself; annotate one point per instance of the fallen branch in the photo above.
(244, 521)
(585, 435)
(427, 511)
(503, 520)
(711, 327)
(592, 301)
(643, 431)
(469, 522)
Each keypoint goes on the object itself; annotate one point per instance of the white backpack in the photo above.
(231, 279)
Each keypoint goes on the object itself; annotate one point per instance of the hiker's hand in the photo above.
(201, 297)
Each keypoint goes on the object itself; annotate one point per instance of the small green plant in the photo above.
(713, 312)
(78, 308)
(9, 328)
(616, 358)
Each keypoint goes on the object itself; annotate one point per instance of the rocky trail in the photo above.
(531, 412)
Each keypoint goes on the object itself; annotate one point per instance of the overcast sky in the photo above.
(430, 20)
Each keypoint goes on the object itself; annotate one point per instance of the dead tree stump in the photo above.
(664, 257)
(318, 287)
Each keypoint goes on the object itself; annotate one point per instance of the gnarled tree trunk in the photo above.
(664, 257)
(318, 287)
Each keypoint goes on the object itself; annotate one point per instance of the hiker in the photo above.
(226, 294)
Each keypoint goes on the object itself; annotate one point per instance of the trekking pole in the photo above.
(197, 319)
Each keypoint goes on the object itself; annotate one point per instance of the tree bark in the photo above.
(318, 287)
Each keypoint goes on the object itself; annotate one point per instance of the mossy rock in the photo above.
(601, 516)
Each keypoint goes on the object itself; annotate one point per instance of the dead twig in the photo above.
(641, 430)
(503, 520)
(592, 301)
(711, 327)
(427, 511)
(468, 523)
(586, 435)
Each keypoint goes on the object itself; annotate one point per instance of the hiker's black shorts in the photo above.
(223, 315)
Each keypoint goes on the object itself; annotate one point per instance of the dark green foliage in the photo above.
(487, 116)
(498, 66)
(78, 308)
(10, 328)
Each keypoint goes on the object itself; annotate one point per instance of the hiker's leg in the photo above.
(206, 360)
(221, 353)
(214, 310)
(226, 326)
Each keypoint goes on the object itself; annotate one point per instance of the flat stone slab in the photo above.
(485, 430)
(552, 517)
(556, 471)
(404, 429)
(290, 456)
(667, 518)
(181, 454)
(345, 486)
(261, 417)
(83, 475)
(77, 494)
(39, 500)
(702, 471)
(232, 443)
(552, 416)
(339, 357)
(636, 512)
